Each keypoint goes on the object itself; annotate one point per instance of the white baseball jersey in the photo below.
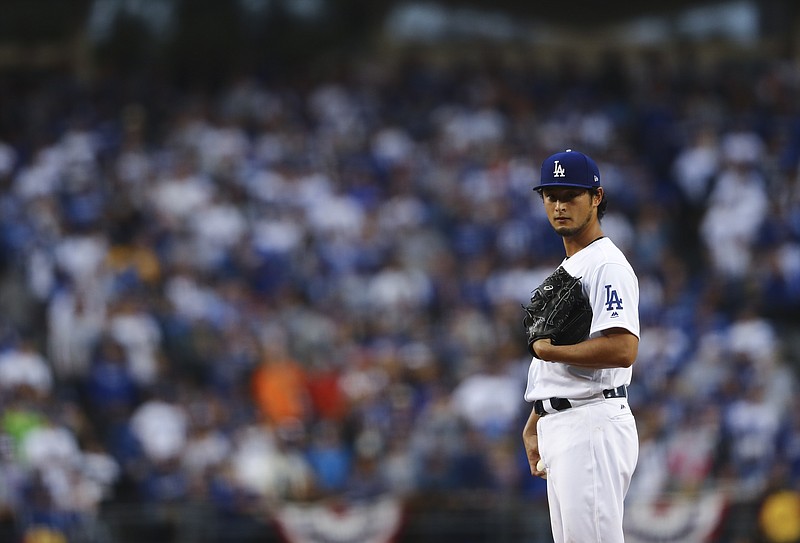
(590, 451)
(611, 285)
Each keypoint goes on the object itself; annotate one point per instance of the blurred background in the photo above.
(263, 262)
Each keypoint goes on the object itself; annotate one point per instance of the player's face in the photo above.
(570, 210)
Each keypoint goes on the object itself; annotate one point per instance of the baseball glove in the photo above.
(559, 310)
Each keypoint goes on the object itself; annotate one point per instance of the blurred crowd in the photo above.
(291, 289)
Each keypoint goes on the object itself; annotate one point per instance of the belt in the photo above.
(553, 405)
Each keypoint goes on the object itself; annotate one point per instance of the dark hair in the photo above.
(601, 208)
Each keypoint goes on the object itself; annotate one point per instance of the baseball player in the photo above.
(581, 435)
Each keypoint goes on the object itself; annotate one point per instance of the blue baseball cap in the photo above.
(569, 169)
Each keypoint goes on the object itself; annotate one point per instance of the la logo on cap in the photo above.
(559, 170)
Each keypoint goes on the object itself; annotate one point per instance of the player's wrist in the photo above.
(540, 347)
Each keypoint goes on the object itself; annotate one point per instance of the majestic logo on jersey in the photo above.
(559, 171)
(613, 301)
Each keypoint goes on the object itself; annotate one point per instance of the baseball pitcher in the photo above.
(582, 328)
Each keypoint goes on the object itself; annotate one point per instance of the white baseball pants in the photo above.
(590, 453)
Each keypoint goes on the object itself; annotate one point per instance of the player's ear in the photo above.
(597, 196)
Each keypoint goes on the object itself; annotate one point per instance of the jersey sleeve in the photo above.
(614, 296)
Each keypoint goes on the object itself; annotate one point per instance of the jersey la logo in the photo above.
(558, 171)
(613, 301)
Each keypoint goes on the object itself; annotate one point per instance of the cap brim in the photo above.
(571, 185)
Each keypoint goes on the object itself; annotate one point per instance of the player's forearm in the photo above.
(530, 425)
(612, 350)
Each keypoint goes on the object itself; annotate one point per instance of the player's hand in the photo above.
(531, 442)
(559, 310)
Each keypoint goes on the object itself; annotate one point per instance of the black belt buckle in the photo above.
(619, 392)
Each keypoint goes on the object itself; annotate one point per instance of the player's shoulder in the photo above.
(611, 253)
(603, 254)
(598, 252)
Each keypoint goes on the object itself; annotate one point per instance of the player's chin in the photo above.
(563, 230)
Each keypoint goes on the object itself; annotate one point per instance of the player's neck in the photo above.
(582, 239)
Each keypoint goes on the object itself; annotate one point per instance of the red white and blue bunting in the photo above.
(674, 519)
(377, 521)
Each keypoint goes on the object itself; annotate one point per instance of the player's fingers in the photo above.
(536, 465)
